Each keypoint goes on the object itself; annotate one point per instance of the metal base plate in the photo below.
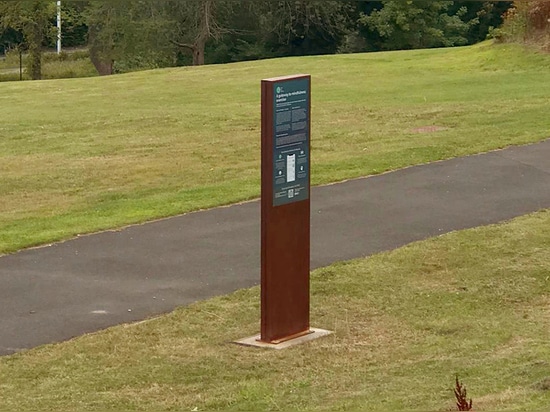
(255, 340)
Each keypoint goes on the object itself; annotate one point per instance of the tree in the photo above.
(101, 18)
(418, 24)
(238, 39)
(127, 34)
(197, 21)
(361, 38)
(488, 13)
(303, 27)
(32, 18)
(75, 30)
(253, 29)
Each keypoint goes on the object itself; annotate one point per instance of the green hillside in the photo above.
(82, 155)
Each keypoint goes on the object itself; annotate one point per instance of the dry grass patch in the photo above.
(501, 401)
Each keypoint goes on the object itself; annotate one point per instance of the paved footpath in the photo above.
(54, 293)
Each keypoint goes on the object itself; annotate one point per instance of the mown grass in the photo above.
(474, 303)
(82, 155)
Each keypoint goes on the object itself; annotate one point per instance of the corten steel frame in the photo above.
(285, 239)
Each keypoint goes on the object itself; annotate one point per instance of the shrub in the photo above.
(526, 22)
(63, 69)
(11, 77)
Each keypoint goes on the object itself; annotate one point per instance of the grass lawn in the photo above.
(474, 303)
(81, 155)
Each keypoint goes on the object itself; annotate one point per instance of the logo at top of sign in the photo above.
(279, 89)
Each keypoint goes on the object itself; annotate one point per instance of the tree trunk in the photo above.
(104, 67)
(35, 63)
(198, 52)
(34, 39)
(102, 64)
(204, 32)
(196, 49)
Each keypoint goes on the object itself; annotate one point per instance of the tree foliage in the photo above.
(126, 35)
(32, 18)
(418, 24)
(193, 23)
(489, 15)
(303, 27)
(75, 30)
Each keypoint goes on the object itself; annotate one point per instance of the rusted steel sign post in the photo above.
(285, 208)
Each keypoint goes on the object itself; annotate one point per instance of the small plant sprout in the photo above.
(462, 402)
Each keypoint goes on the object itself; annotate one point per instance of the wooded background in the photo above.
(132, 35)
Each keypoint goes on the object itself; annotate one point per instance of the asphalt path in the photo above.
(53, 293)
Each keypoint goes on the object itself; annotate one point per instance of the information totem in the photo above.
(285, 208)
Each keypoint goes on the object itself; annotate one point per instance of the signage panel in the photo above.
(285, 207)
(290, 141)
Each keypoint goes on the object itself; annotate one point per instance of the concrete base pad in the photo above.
(255, 340)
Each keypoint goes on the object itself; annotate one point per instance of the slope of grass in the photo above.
(474, 303)
(81, 155)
